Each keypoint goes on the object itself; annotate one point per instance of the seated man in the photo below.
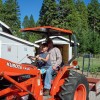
(56, 60)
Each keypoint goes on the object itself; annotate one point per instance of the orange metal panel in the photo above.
(93, 80)
(13, 69)
(32, 86)
(58, 81)
(47, 27)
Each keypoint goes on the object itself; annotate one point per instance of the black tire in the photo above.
(71, 83)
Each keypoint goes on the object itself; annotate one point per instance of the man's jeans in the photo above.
(48, 78)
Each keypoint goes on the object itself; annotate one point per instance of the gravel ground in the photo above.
(92, 96)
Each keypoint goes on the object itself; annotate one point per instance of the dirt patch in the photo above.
(92, 96)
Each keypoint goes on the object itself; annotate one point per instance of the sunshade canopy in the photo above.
(48, 30)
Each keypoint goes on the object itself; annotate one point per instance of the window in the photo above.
(25, 48)
(9, 49)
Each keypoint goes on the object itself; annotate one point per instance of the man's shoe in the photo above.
(46, 92)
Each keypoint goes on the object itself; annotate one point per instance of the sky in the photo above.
(28, 7)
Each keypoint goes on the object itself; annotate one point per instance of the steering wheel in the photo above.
(33, 62)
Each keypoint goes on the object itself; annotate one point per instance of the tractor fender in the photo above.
(58, 80)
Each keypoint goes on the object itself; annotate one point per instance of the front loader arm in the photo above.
(32, 85)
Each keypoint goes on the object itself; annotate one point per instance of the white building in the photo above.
(13, 48)
(63, 44)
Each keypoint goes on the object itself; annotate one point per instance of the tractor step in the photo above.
(46, 97)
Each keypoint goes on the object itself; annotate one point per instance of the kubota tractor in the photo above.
(67, 84)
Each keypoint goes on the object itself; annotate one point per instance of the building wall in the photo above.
(65, 48)
(15, 51)
(66, 52)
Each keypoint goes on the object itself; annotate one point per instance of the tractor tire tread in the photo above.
(69, 87)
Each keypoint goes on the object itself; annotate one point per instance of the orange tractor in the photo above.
(67, 84)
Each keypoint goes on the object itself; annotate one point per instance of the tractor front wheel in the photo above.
(75, 87)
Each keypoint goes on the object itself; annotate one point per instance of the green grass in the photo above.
(94, 64)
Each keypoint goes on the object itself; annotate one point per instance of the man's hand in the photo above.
(54, 68)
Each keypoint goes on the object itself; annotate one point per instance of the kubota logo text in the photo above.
(14, 65)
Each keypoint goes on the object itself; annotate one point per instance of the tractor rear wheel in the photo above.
(75, 87)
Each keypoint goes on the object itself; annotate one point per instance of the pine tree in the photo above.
(33, 36)
(94, 25)
(12, 16)
(94, 15)
(68, 16)
(48, 13)
(28, 22)
(25, 22)
(37, 23)
(1, 10)
(31, 21)
(82, 10)
(82, 32)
